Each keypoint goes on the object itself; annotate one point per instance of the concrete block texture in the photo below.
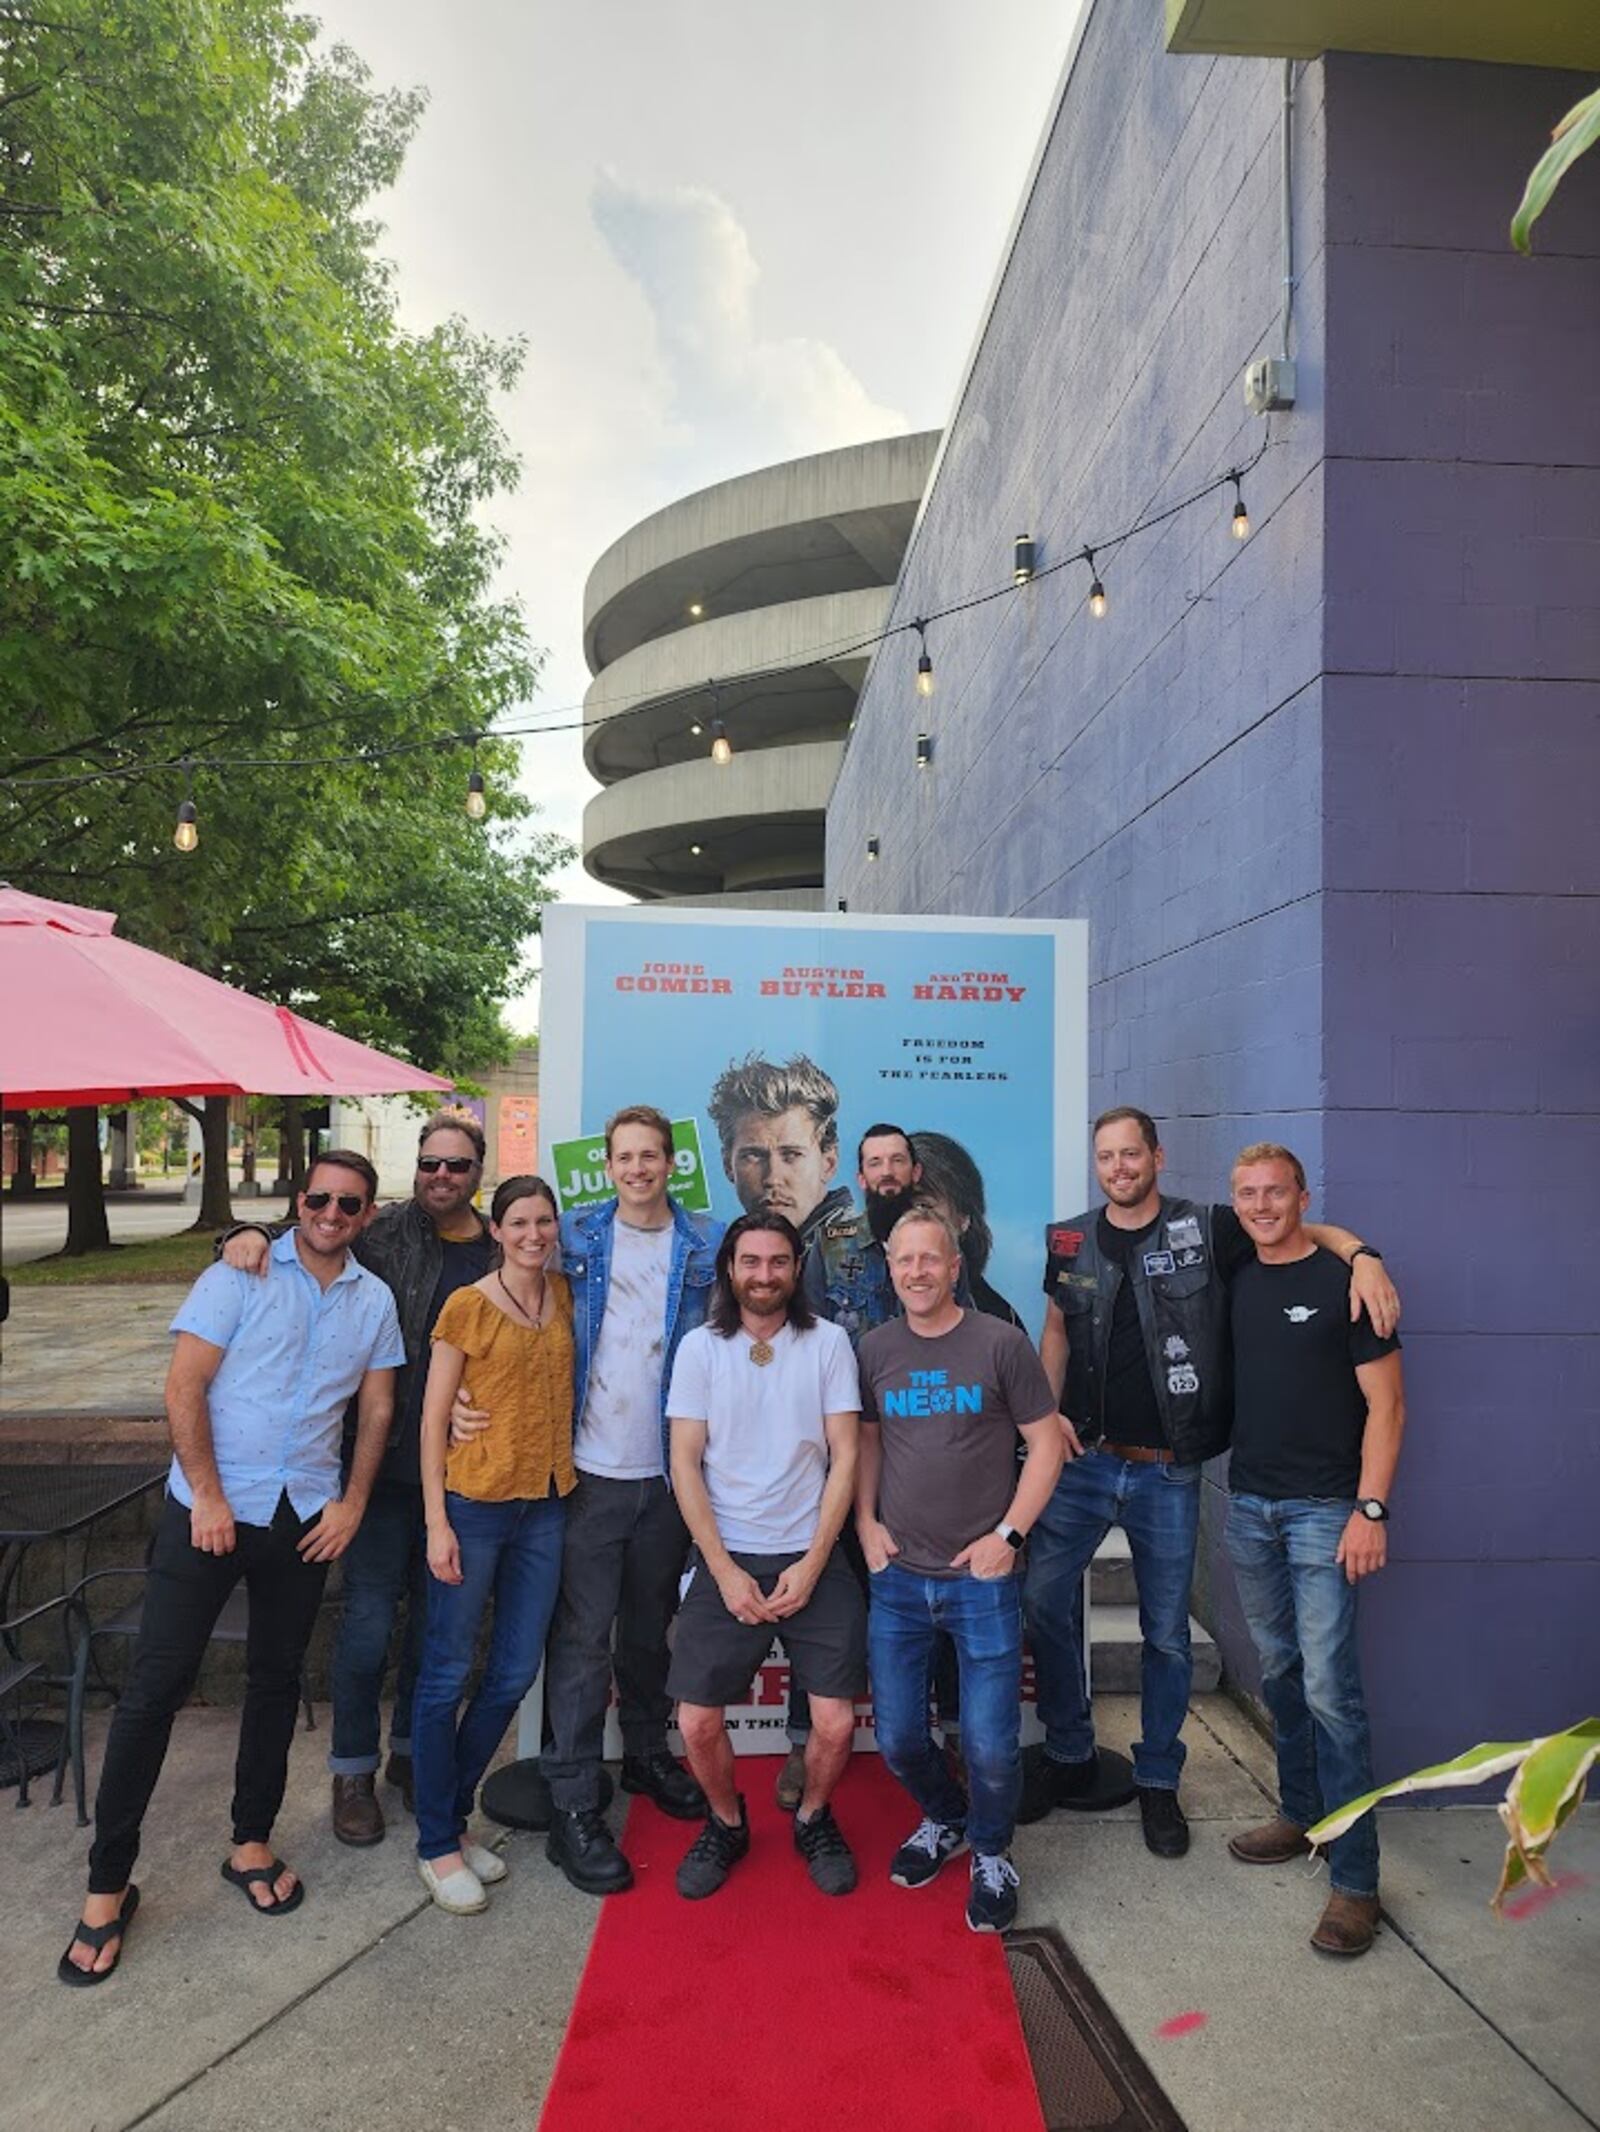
(1323, 795)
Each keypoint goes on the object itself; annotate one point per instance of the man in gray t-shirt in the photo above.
(941, 1510)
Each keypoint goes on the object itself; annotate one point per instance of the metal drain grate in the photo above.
(1089, 2076)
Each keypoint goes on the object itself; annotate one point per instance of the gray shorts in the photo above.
(715, 1658)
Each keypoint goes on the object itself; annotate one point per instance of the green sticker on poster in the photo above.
(580, 1170)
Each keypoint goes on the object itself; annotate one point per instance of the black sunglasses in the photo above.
(349, 1202)
(457, 1165)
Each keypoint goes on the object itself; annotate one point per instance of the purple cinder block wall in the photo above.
(1322, 795)
(1461, 869)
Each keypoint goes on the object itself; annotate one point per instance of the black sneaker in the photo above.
(820, 1842)
(713, 1855)
(666, 1783)
(922, 1854)
(584, 1848)
(1047, 1784)
(992, 1897)
(1165, 1830)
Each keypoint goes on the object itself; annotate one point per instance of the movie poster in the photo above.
(971, 1034)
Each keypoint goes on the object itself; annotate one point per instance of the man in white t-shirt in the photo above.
(765, 1411)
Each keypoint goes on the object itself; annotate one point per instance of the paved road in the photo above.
(34, 1231)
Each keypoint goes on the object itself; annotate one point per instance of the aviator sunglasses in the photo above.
(350, 1203)
(457, 1165)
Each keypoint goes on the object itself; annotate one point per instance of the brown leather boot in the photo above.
(357, 1816)
(1273, 1844)
(792, 1781)
(1347, 1926)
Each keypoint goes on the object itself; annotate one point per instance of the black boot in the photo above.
(584, 1848)
(666, 1783)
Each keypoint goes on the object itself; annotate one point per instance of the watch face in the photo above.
(1373, 1509)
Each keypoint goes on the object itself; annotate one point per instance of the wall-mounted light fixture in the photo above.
(872, 847)
(924, 750)
(1022, 558)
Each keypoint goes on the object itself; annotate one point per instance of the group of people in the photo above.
(650, 1445)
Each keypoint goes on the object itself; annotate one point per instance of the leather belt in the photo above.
(1137, 1454)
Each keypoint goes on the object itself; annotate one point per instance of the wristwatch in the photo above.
(1011, 1536)
(1366, 1251)
(1374, 1508)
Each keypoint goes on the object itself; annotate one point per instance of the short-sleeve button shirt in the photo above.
(294, 1353)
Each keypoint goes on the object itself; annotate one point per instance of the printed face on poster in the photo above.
(971, 1035)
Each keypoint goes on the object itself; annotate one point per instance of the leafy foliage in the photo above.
(1577, 133)
(240, 517)
(1548, 1778)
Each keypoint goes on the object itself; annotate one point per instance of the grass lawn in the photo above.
(162, 1258)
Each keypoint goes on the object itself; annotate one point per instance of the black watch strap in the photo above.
(1366, 1251)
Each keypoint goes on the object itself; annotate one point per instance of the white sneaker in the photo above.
(460, 1892)
(488, 1865)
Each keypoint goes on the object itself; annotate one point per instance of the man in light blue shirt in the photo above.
(260, 1378)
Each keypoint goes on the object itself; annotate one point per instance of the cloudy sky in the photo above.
(728, 234)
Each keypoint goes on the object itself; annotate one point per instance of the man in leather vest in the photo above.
(1136, 1347)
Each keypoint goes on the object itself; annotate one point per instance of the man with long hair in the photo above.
(765, 1411)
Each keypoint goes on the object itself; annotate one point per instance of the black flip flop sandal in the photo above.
(245, 1878)
(96, 1936)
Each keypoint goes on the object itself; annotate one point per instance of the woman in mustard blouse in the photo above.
(495, 1514)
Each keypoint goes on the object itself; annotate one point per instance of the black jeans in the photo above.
(625, 1549)
(184, 1593)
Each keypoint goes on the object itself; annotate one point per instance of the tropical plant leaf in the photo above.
(1551, 1774)
(1490, 1759)
(1578, 131)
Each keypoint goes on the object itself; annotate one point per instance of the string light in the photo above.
(186, 836)
(1097, 591)
(477, 803)
(696, 610)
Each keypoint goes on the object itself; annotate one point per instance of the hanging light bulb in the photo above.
(1097, 591)
(186, 836)
(477, 804)
(1241, 517)
(721, 745)
(924, 661)
(697, 729)
(1022, 558)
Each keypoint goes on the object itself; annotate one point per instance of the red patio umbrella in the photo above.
(88, 1018)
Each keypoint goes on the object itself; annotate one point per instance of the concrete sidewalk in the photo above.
(96, 1353)
(369, 2008)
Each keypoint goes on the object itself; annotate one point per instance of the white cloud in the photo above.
(730, 398)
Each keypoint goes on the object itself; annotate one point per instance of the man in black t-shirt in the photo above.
(1136, 1347)
(1318, 1414)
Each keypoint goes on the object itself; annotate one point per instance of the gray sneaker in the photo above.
(820, 1842)
(919, 1858)
(712, 1856)
(992, 1898)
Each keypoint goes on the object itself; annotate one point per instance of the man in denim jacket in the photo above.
(641, 1271)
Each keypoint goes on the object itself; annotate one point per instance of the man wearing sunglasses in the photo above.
(424, 1247)
(256, 1396)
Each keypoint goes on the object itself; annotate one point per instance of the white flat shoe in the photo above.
(488, 1865)
(460, 1892)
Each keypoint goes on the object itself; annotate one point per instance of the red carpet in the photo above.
(770, 2007)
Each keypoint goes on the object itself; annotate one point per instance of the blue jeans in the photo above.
(1158, 1506)
(512, 1553)
(1301, 1609)
(983, 1619)
(386, 1563)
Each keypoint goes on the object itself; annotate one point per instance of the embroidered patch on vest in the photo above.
(1063, 1242)
(1159, 1262)
(1184, 1232)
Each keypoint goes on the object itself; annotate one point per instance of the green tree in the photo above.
(241, 517)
